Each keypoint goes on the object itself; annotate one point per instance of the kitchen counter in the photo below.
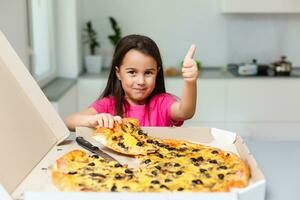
(206, 73)
(279, 162)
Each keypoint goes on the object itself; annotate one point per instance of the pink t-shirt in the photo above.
(159, 110)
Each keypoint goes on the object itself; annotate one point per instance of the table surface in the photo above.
(280, 163)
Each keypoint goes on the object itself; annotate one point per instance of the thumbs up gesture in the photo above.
(189, 68)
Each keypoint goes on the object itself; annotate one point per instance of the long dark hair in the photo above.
(144, 45)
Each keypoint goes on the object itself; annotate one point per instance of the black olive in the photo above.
(118, 165)
(118, 176)
(170, 148)
(114, 138)
(161, 145)
(213, 162)
(182, 149)
(203, 170)
(158, 167)
(97, 175)
(194, 159)
(200, 159)
(125, 187)
(177, 165)
(221, 176)
(164, 186)
(214, 152)
(91, 164)
(128, 171)
(150, 141)
(179, 172)
(139, 143)
(180, 189)
(168, 180)
(113, 188)
(159, 155)
(121, 144)
(155, 182)
(147, 161)
(197, 164)
(154, 173)
(95, 156)
(197, 181)
(195, 150)
(140, 132)
(223, 167)
(72, 172)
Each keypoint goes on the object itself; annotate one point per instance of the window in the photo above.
(43, 60)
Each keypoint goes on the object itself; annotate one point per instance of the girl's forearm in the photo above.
(187, 104)
(77, 119)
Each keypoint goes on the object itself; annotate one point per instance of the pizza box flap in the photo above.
(30, 126)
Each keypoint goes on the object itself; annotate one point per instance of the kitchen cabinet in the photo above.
(260, 6)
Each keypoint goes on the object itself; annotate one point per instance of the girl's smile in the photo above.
(137, 74)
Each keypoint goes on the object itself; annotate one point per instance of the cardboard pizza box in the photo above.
(33, 136)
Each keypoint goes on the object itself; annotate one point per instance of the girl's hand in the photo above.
(190, 70)
(104, 120)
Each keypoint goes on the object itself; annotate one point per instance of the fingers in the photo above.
(106, 120)
(191, 52)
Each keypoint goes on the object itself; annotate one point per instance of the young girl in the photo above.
(136, 88)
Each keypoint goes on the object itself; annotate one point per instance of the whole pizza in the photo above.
(165, 165)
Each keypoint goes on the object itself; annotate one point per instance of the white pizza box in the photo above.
(33, 136)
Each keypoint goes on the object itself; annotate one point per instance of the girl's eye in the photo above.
(149, 73)
(131, 72)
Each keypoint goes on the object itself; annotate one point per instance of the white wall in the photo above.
(13, 23)
(221, 38)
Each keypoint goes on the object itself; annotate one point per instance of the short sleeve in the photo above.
(104, 105)
(167, 102)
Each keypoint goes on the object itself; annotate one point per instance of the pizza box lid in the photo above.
(30, 126)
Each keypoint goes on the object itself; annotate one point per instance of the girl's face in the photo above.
(137, 74)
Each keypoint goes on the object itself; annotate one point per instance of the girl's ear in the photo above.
(117, 72)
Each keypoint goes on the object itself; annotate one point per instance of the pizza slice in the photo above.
(126, 138)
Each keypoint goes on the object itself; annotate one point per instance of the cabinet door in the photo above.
(263, 100)
(210, 98)
(88, 91)
(261, 6)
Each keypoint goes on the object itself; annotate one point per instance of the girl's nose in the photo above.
(141, 80)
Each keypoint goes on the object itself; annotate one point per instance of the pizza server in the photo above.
(94, 149)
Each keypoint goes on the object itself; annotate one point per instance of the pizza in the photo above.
(165, 165)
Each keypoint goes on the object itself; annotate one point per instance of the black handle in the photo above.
(85, 144)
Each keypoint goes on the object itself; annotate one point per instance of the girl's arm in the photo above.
(185, 108)
(90, 118)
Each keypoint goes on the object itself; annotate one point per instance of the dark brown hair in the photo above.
(113, 87)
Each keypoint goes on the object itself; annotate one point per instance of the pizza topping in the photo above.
(221, 176)
(95, 156)
(128, 171)
(203, 170)
(72, 172)
(117, 165)
(168, 180)
(158, 167)
(139, 143)
(197, 181)
(147, 161)
(155, 182)
(180, 189)
(223, 167)
(213, 162)
(97, 175)
(91, 164)
(179, 173)
(113, 188)
(214, 152)
(163, 187)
